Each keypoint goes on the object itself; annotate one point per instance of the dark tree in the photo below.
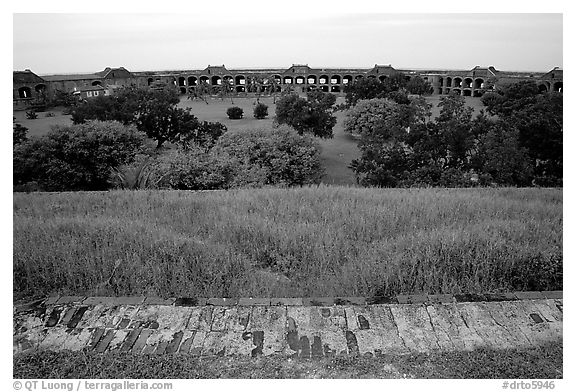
(313, 115)
(538, 118)
(235, 113)
(365, 88)
(165, 123)
(260, 111)
(417, 85)
(77, 157)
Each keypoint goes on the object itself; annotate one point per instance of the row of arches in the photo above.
(546, 86)
(26, 91)
(243, 80)
(459, 82)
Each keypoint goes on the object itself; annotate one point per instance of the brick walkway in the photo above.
(302, 327)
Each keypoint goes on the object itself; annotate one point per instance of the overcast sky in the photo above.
(76, 43)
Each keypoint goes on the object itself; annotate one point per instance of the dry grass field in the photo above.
(315, 241)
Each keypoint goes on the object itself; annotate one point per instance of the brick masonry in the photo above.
(295, 327)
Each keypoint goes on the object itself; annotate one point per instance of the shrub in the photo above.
(205, 135)
(191, 169)
(31, 115)
(260, 111)
(235, 113)
(77, 157)
(270, 157)
(19, 133)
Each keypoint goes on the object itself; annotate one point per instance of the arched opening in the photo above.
(477, 93)
(323, 79)
(447, 91)
(40, 88)
(240, 80)
(182, 90)
(543, 88)
(456, 91)
(288, 80)
(467, 82)
(216, 80)
(558, 87)
(204, 79)
(150, 81)
(407, 78)
(335, 89)
(467, 93)
(312, 87)
(192, 80)
(181, 81)
(24, 92)
(312, 79)
(358, 77)
(457, 82)
(324, 88)
(335, 79)
(96, 83)
(228, 79)
(441, 82)
(240, 89)
(347, 79)
(300, 80)
(382, 78)
(478, 83)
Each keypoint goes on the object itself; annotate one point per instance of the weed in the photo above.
(309, 241)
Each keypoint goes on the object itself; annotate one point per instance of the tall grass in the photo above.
(315, 241)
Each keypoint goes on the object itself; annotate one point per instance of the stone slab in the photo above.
(222, 301)
(342, 301)
(451, 330)
(254, 302)
(412, 299)
(415, 328)
(552, 294)
(167, 317)
(318, 301)
(159, 301)
(286, 302)
(528, 295)
(309, 332)
(440, 299)
(69, 299)
(113, 300)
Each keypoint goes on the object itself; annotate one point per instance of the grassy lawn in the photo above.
(535, 363)
(42, 124)
(315, 241)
